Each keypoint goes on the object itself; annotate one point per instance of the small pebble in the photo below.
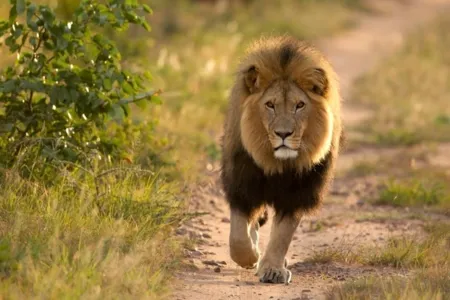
(210, 263)
(206, 235)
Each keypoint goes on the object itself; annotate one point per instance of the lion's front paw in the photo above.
(270, 272)
(244, 254)
(275, 275)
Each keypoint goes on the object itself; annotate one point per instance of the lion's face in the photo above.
(284, 110)
(284, 123)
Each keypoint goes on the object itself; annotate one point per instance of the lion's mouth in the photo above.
(283, 146)
(285, 152)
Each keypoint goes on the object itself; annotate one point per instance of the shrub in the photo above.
(66, 85)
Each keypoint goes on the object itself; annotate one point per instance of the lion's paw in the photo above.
(244, 255)
(276, 275)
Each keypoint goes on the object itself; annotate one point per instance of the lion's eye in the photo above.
(300, 105)
(270, 105)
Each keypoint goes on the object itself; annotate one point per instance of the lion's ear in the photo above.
(252, 80)
(318, 82)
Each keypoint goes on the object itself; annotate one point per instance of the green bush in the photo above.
(66, 85)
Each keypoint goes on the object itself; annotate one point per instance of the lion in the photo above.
(282, 135)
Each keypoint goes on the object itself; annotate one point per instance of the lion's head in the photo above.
(288, 105)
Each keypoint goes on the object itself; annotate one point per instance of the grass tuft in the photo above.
(417, 193)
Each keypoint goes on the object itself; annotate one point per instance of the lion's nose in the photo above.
(283, 134)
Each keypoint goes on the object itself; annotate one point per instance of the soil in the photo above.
(341, 222)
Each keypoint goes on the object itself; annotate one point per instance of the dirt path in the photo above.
(340, 222)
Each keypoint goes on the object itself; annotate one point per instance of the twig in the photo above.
(139, 97)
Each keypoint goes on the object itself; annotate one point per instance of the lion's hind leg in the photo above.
(244, 239)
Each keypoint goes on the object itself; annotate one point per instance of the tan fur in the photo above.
(316, 130)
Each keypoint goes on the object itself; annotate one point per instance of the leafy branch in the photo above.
(67, 82)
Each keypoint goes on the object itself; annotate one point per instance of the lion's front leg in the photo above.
(244, 239)
(272, 267)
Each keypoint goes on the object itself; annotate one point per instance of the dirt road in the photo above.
(339, 222)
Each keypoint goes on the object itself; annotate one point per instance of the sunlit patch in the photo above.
(285, 153)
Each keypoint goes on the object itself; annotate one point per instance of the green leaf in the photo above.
(86, 76)
(30, 11)
(116, 112)
(156, 100)
(33, 41)
(147, 8)
(49, 45)
(6, 127)
(33, 26)
(126, 109)
(127, 88)
(47, 15)
(18, 31)
(13, 14)
(8, 86)
(65, 95)
(20, 6)
(73, 95)
(142, 104)
(4, 26)
(107, 84)
(61, 43)
(146, 26)
(33, 86)
(148, 76)
(24, 39)
(21, 126)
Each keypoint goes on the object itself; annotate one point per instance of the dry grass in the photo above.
(429, 284)
(409, 92)
(400, 252)
(391, 216)
(427, 258)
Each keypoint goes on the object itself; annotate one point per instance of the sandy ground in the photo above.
(341, 221)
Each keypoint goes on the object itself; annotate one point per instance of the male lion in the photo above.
(281, 138)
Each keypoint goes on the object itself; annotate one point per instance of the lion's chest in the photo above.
(289, 191)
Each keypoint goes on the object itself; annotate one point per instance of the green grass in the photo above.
(397, 136)
(409, 92)
(72, 240)
(417, 193)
